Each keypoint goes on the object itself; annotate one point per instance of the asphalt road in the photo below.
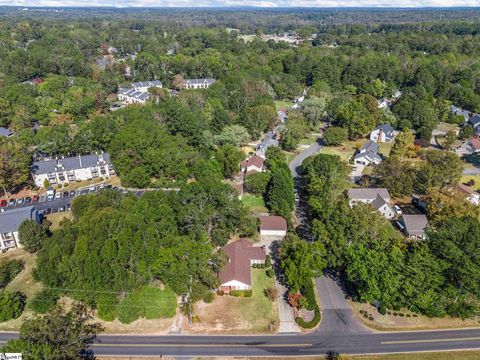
(296, 164)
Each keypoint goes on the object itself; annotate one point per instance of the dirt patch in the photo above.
(406, 320)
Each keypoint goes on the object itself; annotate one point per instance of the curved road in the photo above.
(340, 332)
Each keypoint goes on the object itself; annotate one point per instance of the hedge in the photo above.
(44, 301)
(310, 324)
(309, 294)
(241, 293)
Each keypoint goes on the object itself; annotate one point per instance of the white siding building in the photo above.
(10, 221)
(198, 83)
(77, 168)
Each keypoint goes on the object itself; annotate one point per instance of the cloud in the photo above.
(237, 3)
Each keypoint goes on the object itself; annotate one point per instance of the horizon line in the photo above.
(447, 7)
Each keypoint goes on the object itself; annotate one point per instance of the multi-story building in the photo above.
(70, 169)
(10, 221)
(198, 83)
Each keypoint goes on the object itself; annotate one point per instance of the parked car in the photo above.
(3, 203)
(72, 193)
(91, 188)
(108, 187)
(66, 194)
(101, 186)
(50, 198)
(58, 195)
(28, 200)
(398, 210)
(61, 209)
(35, 198)
(20, 201)
(69, 207)
(12, 202)
(48, 211)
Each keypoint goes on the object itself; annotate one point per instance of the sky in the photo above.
(237, 3)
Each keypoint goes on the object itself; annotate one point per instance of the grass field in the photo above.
(282, 104)
(239, 315)
(254, 203)
(467, 178)
(57, 218)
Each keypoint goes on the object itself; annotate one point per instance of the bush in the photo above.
(309, 294)
(44, 301)
(310, 324)
(11, 305)
(382, 310)
(257, 183)
(33, 235)
(395, 314)
(268, 261)
(365, 315)
(370, 318)
(209, 297)
(241, 293)
(270, 273)
(8, 270)
(220, 292)
(335, 136)
(401, 314)
(271, 293)
(107, 306)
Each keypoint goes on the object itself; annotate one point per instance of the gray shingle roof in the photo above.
(152, 83)
(474, 120)
(415, 224)
(369, 146)
(10, 220)
(386, 128)
(68, 163)
(368, 193)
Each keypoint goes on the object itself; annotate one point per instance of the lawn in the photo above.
(467, 178)
(384, 148)
(283, 104)
(389, 231)
(254, 203)
(238, 315)
(57, 218)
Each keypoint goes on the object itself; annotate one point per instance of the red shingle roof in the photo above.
(475, 142)
(273, 223)
(255, 160)
(240, 253)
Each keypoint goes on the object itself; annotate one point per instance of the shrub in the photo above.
(107, 306)
(365, 315)
(268, 261)
(196, 319)
(270, 273)
(311, 324)
(209, 297)
(335, 136)
(241, 293)
(395, 314)
(401, 314)
(44, 301)
(370, 318)
(220, 292)
(11, 305)
(389, 312)
(271, 293)
(309, 294)
(408, 315)
(257, 183)
(415, 315)
(382, 310)
(8, 270)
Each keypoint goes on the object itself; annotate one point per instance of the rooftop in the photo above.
(415, 224)
(69, 163)
(5, 132)
(273, 223)
(368, 193)
(10, 220)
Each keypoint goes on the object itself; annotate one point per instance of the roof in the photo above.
(200, 81)
(368, 155)
(460, 112)
(379, 202)
(240, 253)
(5, 132)
(474, 120)
(10, 220)
(148, 84)
(269, 140)
(69, 163)
(386, 128)
(254, 160)
(273, 223)
(369, 146)
(475, 143)
(368, 193)
(466, 189)
(415, 224)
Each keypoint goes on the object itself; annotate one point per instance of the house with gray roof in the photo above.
(460, 112)
(379, 198)
(5, 132)
(198, 83)
(10, 221)
(474, 120)
(138, 92)
(382, 133)
(368, 154)
(269, 140)
(145, 85)
(413, 226)
(71, 169)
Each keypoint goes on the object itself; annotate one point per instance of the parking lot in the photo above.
(61, 201)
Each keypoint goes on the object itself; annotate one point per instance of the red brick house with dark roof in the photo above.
(236, 274)
(273, 226)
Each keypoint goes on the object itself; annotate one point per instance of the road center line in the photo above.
(428, 340)
(204, 345)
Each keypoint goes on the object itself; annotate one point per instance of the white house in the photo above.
(469, 193)
(273, 226)
(252, 165)
(145, 85)
(368, 154)
(414, 226)
(384, 103)
(460, 112)
(70, 169)
(382, 133)
(198, 83)
(138, 92)
(379, 198)
(241, 255)
(10, 221)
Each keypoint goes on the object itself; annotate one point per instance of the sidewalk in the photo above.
(285, 312)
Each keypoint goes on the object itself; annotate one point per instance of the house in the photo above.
(236, 274)
(368, 154)
(469, 193)
(273, 226)
(460, 112)
(382, 133)
(269, 140)
(414, 225)
(282, 115)
(473, 145)
(474, 120)
(75, 168)
(10, 221)
(379, 198)
(145, 85)
(198, 83)
(252, 165)
(4, 132)
(384, 103)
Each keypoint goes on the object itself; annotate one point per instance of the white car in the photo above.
(398, 210)
(58, 195)
(91, 188)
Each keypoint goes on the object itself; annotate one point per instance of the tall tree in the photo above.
(14, 165)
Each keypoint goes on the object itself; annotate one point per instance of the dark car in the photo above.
(84, 192)
(66, 194)
(12, 202)
(28, 200)
(3, 203)
(35, 198)
(48, 211)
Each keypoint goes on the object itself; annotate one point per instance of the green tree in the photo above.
(11, 305)
(466, 132)
(56, 335)
(439, 170)
(229, 157)
(280, 195)
(32, 235)
(235, 135)
(399, 177)
(334, 136)
(14, 165)
(257, 183)
(403, 145)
